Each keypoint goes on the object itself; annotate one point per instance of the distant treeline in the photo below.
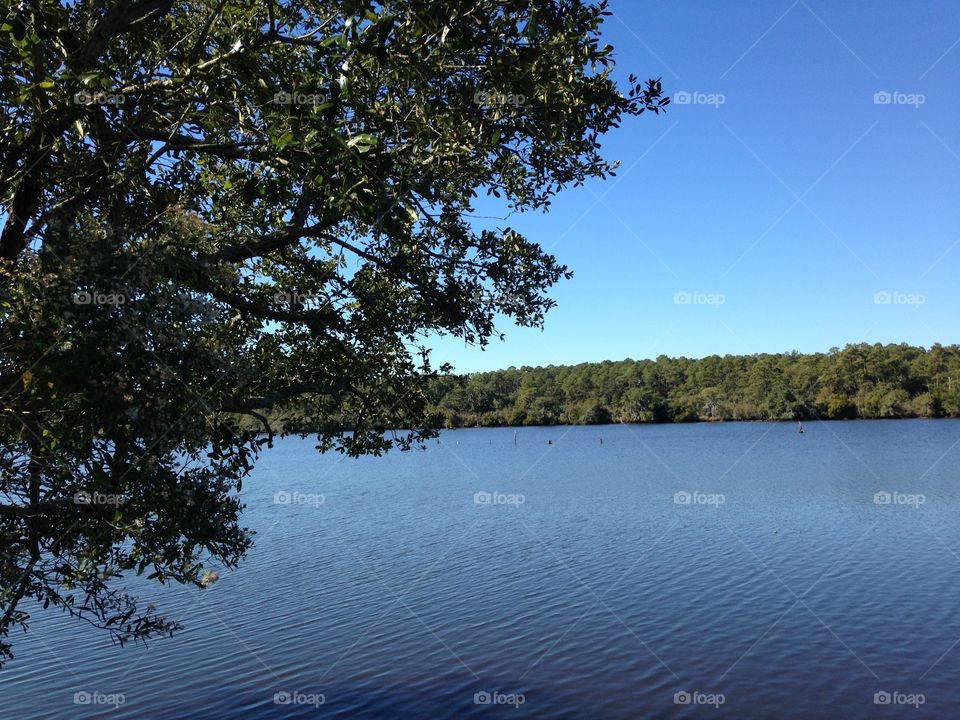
(860, 381)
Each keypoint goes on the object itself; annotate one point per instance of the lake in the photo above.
(736, 570)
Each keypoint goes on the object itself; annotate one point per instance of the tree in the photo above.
(594, 413)
(211, 209)
(892, 381)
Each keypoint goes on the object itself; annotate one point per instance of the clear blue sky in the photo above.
(797, 199)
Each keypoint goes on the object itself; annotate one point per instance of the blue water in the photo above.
(744, 564)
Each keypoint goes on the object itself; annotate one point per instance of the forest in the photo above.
(859, 381)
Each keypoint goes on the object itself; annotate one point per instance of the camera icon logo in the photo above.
(682, 498)
(882, 498)
(882, 97)
(882, 698)
(482, 698)
(82, 698)
(282, 697)
(482, 498)
(282, 498)
(682, 698)
(682, 97)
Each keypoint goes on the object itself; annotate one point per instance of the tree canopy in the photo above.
(215, 207)
(860, 381)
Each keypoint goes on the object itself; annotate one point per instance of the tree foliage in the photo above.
(860, 381)
(215, 207)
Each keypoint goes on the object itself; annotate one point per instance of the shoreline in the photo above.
(716, 421)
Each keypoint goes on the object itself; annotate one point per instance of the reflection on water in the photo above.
(734, 570)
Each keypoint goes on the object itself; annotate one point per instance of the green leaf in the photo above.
(364, 142)
(17, 29)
